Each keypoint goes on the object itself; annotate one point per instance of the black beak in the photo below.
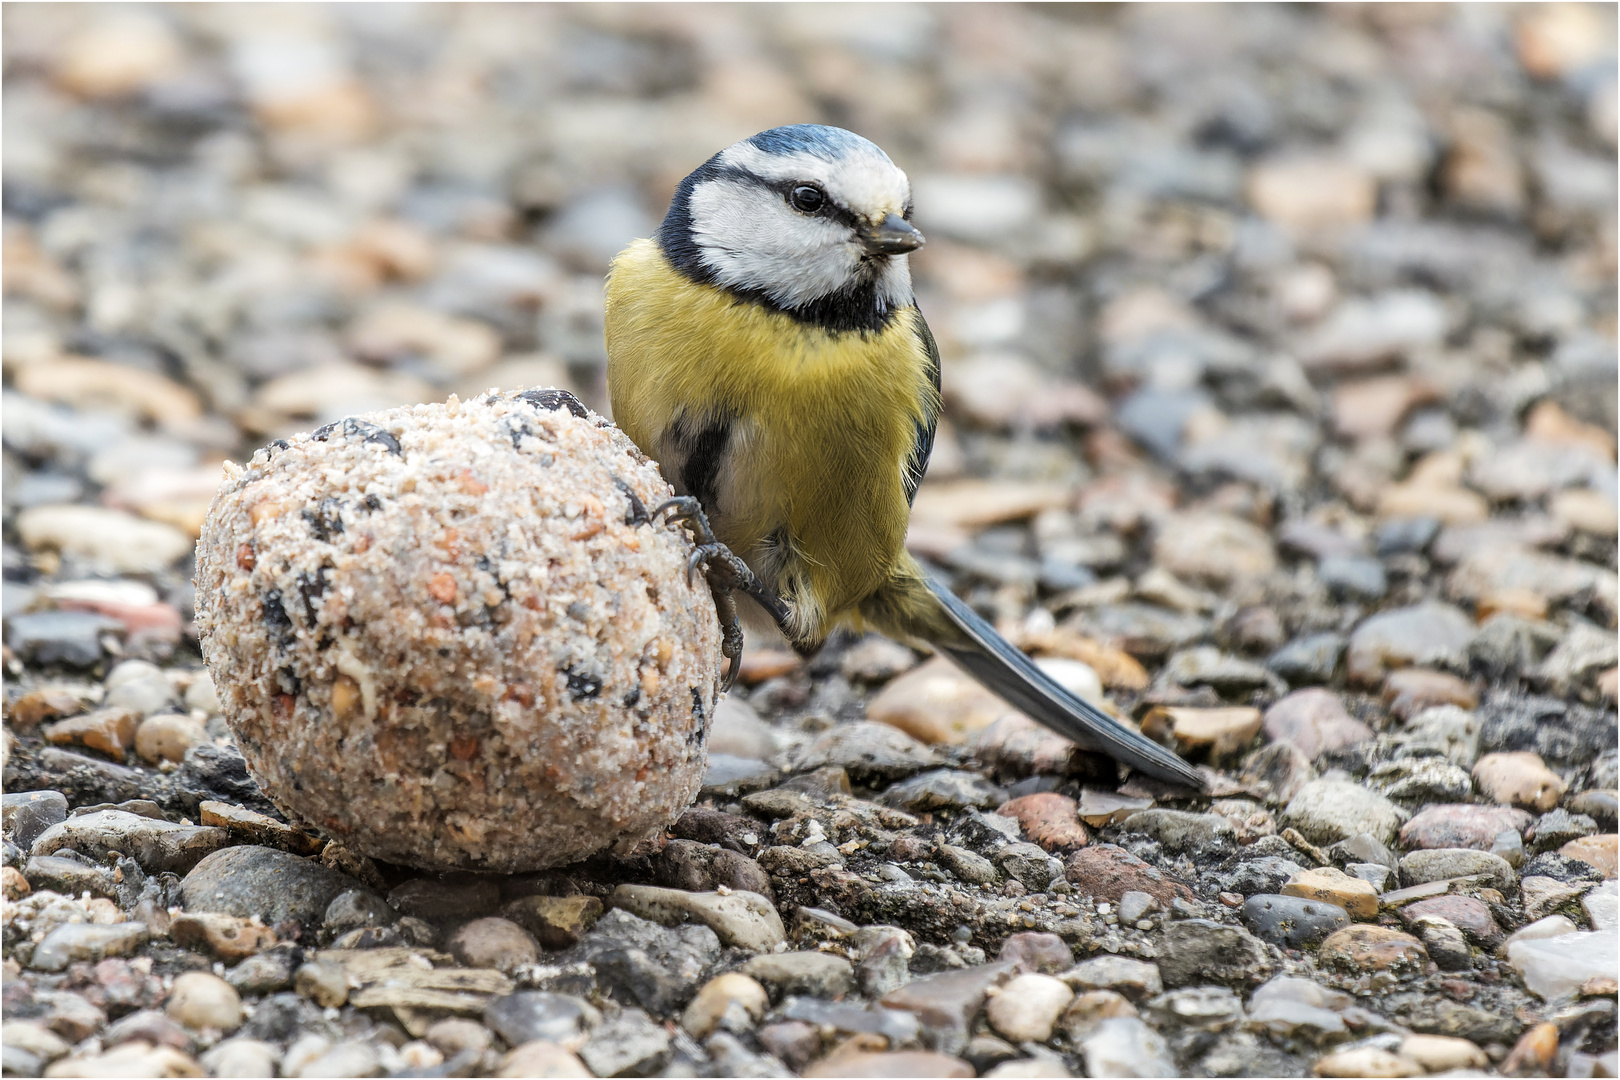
(895, 236)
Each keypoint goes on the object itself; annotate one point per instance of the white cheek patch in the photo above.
(751, 239)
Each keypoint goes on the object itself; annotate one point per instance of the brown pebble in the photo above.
(557, 922)
(493, 943)
(1408, 691)
(107, 731)
(167, 737)
(901, 1063)
(1049, 819)
(1108, 872)
(27, 711)
(1520, 778)
(1601, 851)
(226, 936)
(1533, 1054)
(1372, 948)
(12, 883)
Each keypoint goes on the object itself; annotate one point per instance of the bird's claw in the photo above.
(724, 571)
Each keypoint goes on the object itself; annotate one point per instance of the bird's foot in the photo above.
(725, 572)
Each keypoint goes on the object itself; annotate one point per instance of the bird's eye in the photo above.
(806, 198)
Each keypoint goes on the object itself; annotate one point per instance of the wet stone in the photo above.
(1292, 921)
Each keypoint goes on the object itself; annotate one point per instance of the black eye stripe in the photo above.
(831, 208)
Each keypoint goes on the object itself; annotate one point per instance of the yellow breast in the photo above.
(823, 422)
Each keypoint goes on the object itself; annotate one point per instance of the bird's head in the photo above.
(807, 219)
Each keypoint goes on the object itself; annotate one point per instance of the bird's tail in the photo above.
(918, 606)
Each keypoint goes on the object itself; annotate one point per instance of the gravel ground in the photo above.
(1280, 377)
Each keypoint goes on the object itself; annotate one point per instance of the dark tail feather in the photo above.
(993, 661)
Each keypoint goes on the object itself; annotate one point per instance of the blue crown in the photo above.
(827, 143)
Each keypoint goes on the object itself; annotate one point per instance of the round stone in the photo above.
(494, 943)
(450, 636)
(200, 1000)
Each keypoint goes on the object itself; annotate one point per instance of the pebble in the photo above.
(1198, 951)
(898, 1063)
(1409, 691)
(938, 703)
(1358, 898)
(45, 638)
(541, 1057)
(1180, 831)
(744, 920)
(1421, 779)
(1441, 1053)
(1213, 549)
(241, 1057)
(129, 1059)
(1519, 778)
(531, 1015)
(27, 814)
(1120, 974)
(1312, 658)
(556, 922)
(1108, 872)
(323, 982)
(1048, 819)
(493, 943)
(167, 737)
(248, 880)
(110, 541)
(1467, 913)
(1218, 732)
(1366, 1061)
(1602, 907)
(85, 941)
(1125, 1046)
(1441, 864)
(1602, 851)
(1292, 921)
(1327, 810)
(944, 789)
(200, 1000)
(1555, 966)
(867, 751)
(1424, 634)
(225, 936)
(732, 1000)
(1029, 864)
(817, 974)
(1363, 947)
(263, 973)
(1315, 721)
(627, 1043)
(1462, 825)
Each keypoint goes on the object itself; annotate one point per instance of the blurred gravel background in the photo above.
(1280, 370)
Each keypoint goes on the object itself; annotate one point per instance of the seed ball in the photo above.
(444, 636)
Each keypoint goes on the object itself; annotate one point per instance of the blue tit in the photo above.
(765, 348)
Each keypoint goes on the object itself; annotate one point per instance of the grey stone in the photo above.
(86, 941)
(357, 908)
(533, 1014)
(630, 1044)
(1309, 660)
(1508, 644)
(1558, 827)
(969, 866)
(1355, 577)
(247, 880)
(1424, 634)
(640, 961)
(944, 789)
(1447, 731)
(59, 637)
(267, 972)
(1207, 835)
(1265, 874)
(1421, 779)
(1195, 951)
(1439, 864)
(26, 814)
(1029, 864)
(817, 974)
(868, 751)
(1292, 920)
(1445, 943)
(1326, 810)
(157, 845)
(1202, 1008)
(69, 876)
(1362, 847)
(1375, 874)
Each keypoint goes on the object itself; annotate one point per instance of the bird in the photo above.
(766, 349)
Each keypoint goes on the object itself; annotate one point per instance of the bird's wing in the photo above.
(917, 463)
(993, 661)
